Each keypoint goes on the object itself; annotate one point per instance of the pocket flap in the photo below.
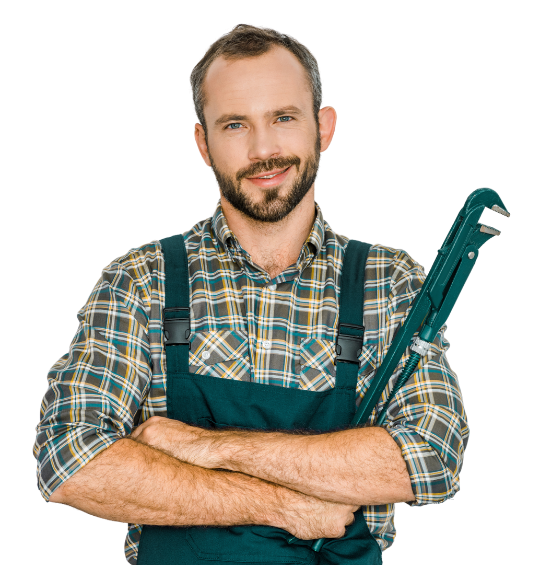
(209, 348)
(318, 354)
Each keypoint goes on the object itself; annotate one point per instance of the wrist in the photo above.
(262, 502)
(277, 514)
(217, 443)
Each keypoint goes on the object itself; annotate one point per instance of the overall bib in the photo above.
(211, 402)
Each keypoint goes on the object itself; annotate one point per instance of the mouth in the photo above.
(271, 178)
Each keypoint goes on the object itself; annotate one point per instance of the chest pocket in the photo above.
(220, 353)
(317, 368)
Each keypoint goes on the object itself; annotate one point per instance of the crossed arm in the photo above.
(360, 466)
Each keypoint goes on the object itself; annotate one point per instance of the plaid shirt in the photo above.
(114, 375)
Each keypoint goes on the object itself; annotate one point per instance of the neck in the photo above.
(273, 246)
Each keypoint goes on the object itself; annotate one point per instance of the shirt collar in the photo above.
(310, 249)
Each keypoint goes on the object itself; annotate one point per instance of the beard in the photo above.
(273, 207)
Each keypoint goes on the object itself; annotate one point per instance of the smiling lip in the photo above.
(274, 181)
(270, 173)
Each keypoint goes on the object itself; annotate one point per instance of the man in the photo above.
(129, 430)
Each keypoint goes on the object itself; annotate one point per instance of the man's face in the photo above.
(260, 123)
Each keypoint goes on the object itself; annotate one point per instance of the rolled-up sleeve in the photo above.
(426, 418)
(95, 390)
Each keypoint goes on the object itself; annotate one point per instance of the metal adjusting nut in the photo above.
(420, 346)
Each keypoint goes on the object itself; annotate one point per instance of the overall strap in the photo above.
(351, 328)
(176, 328)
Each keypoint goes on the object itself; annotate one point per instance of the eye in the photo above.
(235, 125)
(239, 124)
(285, 118)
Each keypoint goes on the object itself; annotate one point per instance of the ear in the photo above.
(200, 141)
(327, 125)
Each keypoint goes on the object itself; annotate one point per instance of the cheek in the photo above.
(229, 157)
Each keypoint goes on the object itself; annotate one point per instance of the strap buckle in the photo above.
(176, 331)
(349, 347)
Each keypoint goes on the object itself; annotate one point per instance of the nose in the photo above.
(263, 144)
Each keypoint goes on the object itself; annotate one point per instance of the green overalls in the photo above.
(212, 402)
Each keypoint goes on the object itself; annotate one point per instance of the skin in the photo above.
(271, 224)
(357, 466)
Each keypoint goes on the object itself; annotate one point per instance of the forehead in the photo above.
(256, 85)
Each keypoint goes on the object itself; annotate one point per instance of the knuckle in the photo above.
(147, 435)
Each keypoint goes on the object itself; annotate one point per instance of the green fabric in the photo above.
(215, 403)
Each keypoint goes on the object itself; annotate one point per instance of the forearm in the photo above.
(131, 482)
(360, 466)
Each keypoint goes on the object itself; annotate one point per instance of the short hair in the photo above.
(250, 41)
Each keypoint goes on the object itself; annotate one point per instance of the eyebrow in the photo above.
(271, 114)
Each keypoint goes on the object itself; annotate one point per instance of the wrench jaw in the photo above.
(500, 210)
(482, 234)
(472, 210)
(484, 198)
(489, 230)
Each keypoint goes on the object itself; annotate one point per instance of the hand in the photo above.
(307, 517)
(182, 441)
